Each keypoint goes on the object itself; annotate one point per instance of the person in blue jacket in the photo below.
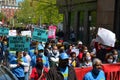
(96, 73)
(40, 53)
(17, 64)
(32, 48)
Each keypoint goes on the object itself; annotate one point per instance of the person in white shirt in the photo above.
(27, 68)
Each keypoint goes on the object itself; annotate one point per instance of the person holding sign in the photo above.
(17, 65)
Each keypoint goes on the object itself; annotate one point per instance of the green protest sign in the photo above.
(4, 31)
(19, 43)
(40, 35)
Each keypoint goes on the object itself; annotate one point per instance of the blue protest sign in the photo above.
(4, 31)
(19, 43)
(40, 35)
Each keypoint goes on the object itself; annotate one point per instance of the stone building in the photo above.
(8, 2)
(8, 8)
(85, 16)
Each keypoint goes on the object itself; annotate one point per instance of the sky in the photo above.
(17, 1)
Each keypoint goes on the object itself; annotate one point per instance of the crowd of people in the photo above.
(56, 59)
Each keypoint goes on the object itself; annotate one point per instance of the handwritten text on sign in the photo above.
(19, 43)
(40, 35)
(52, 32)
(4, 31)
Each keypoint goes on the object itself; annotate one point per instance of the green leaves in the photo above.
(44, 10)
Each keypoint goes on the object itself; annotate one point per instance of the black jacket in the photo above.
(55, 74)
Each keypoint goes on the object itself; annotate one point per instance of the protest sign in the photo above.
(4, 31)
(40, 35)
(19, 43)
(76, 51)
(106, 37)
(12, 32)
(52, 32)
(26, 33)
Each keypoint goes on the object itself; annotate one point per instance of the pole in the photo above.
(40, 21)
(13, 22)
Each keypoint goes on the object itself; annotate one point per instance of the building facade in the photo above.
(8, 8)
(8, 2)
(85, 16)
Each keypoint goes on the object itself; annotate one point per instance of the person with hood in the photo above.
(96, 73)
(63, 71)
(39, 72)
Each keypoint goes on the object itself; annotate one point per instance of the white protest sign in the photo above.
(76, 51)
(12, 32)
(106, 37)
(26, 33)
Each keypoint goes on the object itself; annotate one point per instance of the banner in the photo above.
(12, 32)
(80, 72)
(4, 31)
(112, 71)
(26, 33)
(52, 32)
(19, 43)
(106, 37)
(40, 35)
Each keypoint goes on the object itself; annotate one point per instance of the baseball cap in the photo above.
(40, 47)
(63, 56)
(80, 42)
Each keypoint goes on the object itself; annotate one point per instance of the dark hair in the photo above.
(39, 67)
(17, 53)
(72, 53)
(114, 51)
(109, 54)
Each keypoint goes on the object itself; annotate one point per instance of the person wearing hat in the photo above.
(40, 53)
(80, 44)
(63, 71)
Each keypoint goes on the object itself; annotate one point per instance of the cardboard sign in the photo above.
(106, 37)
(76, 51)
(40, 35)
(4, 31)
(19, 43)
(12, 32)
(26, 33)
(52, 32)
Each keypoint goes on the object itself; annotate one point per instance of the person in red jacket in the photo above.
(39, 72)
(83, 51)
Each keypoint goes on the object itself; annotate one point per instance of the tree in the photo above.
(49, 11)
(2, 16)
(36, 11)
(25, 12)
